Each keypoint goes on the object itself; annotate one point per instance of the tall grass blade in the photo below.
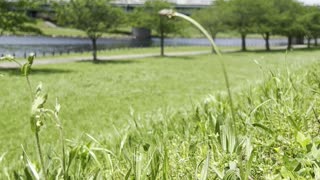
(92, 138)
(30, 166)
(128, 174)
(263, 127)
(2, 157)
(155, 164)
(165, 168)
(248, 167)
(205, 168)
(122, 143)
(138, 165)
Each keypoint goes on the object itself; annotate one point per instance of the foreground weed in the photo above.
(277, 137)
(38, 116)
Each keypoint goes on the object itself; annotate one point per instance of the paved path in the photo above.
(102, 58)
(60, 60)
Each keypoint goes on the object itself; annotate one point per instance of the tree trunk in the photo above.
(161, 37)
(309, 42)
(316, 41)
(289, 42)
(243, 42)
(94, 49)
(267, 38)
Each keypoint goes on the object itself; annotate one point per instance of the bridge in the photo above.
(185, 6)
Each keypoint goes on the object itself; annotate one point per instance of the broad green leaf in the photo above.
(315, 152)
(303, 140)
(286, 174)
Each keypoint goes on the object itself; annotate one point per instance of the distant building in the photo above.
(177, 2)
(185, 6)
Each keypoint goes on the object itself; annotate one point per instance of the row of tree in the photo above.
(266, 17)
(288, 18)
(98, 16)
(94, 17)
(13, 17)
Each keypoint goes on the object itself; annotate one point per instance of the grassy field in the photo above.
(97, 98)
(49, 30)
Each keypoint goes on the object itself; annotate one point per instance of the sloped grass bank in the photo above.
(274, 135)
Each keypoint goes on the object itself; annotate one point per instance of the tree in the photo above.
(287, 22)
(92, 16)
(148, 17)
(13, 18)
(211, 18)
(265, 19)
(311, 22)
(240, 17)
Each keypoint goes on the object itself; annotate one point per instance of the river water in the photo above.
(42, 46)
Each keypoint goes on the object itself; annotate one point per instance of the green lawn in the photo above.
(96, 98)
(67, 32)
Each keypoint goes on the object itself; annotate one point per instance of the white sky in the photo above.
(307, 2)
(310, 2)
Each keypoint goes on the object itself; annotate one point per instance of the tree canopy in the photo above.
(13, 17)
(148, 17)
(311, 23)
(210, 18)
(92, 16)
(288, 18)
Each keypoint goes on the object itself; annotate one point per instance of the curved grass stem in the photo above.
(171, 13)
(40, 154)
(30, 88)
